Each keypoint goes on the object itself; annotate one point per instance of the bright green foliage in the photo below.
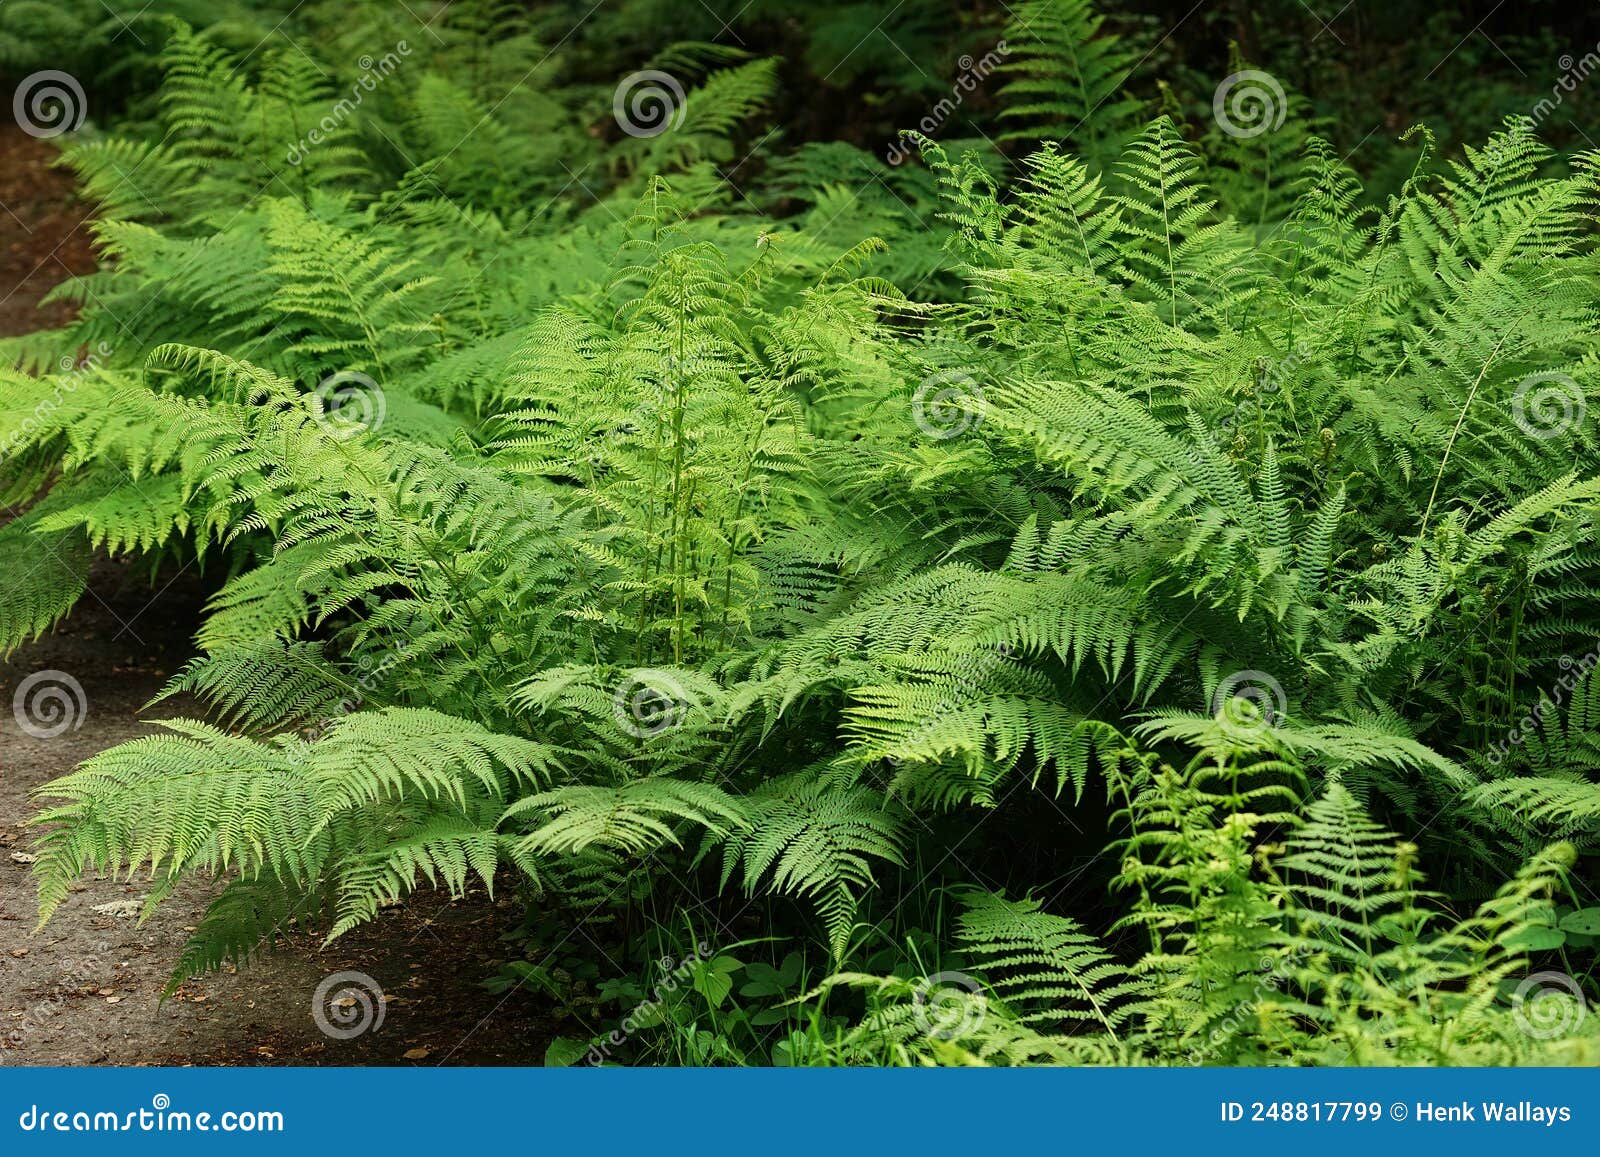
(1070, 77)
(660, 533)
(1247, 965)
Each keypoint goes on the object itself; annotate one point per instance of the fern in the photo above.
(860, 529)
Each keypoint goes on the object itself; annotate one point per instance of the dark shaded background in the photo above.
(860, 71)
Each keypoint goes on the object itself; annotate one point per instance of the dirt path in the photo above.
(85, 989)
(42, 236)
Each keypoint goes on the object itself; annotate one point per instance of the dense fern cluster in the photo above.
(1331, 954)
(649, 533)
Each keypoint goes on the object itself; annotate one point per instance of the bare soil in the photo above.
(86, 988)
(43, 233)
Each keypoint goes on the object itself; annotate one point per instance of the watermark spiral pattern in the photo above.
(48, 703)
(1548, 1005)
(649, 703)
(347, 1005)
(948, 1005)
(48, 104)
(1250, 103)
(947, 404)
(649, 103)
(1548, 405)
(1249, 700)
(352, 403)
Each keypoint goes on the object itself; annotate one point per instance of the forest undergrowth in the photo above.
(1110, 588)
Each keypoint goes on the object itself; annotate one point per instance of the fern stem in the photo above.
(1461, 418)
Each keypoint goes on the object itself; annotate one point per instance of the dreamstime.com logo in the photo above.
(1548, 1005)
(160, 1117)
(372, 672)
(73, 371)
(48, 104)
(75, 973)
(1273, 972)
(972, 675)
(347, 1005)
(973, 73)
(373, 73)
(1250, 103)
(675, 974)
(48, 703)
